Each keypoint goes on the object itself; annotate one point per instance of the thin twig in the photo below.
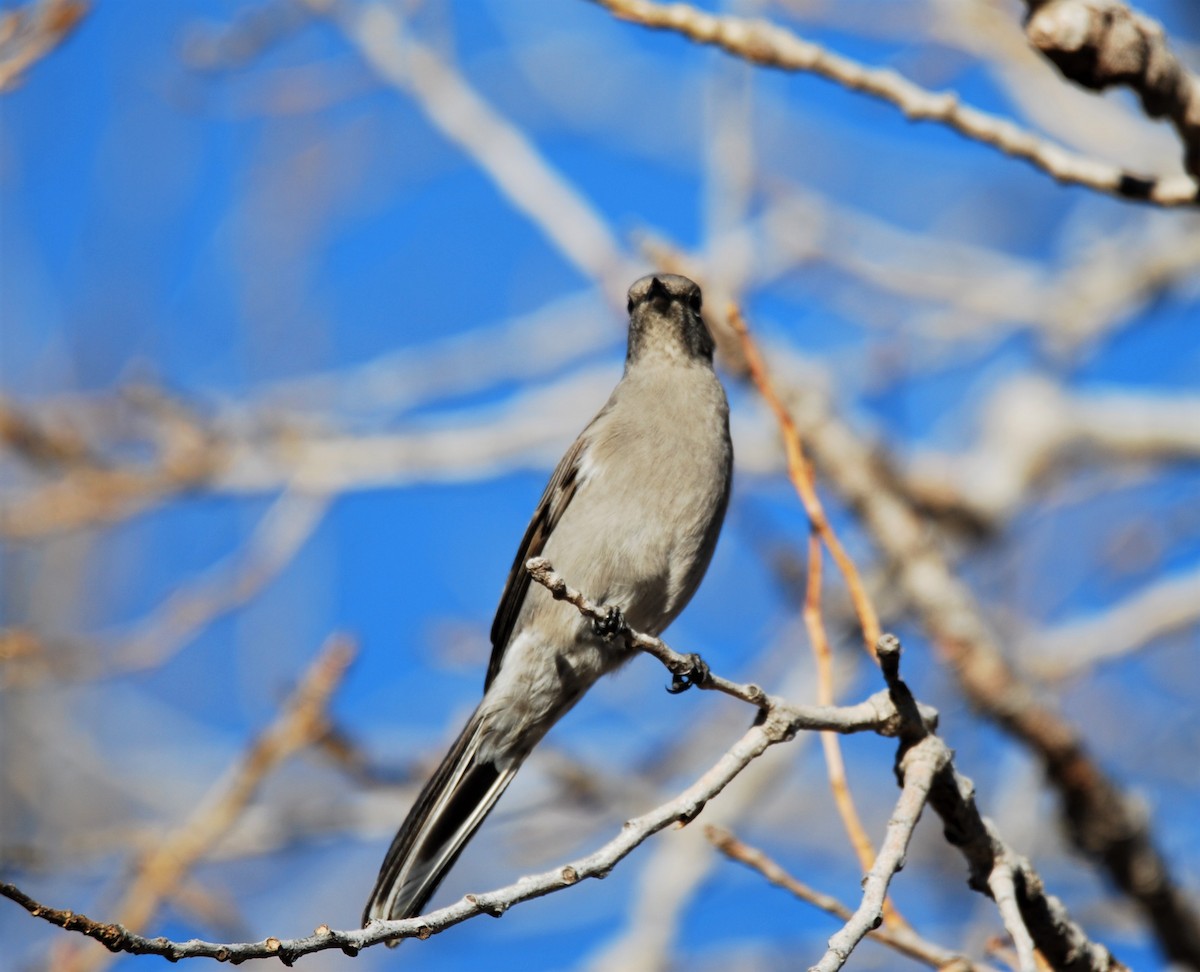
(890, 713)
(681, 809)
(801, 475)
(835, 765)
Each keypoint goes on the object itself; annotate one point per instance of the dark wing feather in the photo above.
(556, 498)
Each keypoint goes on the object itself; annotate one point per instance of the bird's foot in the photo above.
(696, 673)
(611, 625)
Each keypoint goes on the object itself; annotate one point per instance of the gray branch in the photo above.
(924, 766)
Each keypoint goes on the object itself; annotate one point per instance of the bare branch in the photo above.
(952, 796)
(1003, 887)
(258, 452)
(1032, 427)
(681, 809)
(90, 490)
(893, 712)
(763, 43)
(1102, 43)
(920, 768)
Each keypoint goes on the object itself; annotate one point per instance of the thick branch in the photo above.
(1037, 916)
(1102, 43)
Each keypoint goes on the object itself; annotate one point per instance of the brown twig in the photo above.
(803, 480)
(801, 475)
(835, 765)
(903, 940)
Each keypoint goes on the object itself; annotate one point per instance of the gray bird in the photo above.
(631, 518)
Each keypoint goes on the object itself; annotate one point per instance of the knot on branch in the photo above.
(912, 721)
(542, 571)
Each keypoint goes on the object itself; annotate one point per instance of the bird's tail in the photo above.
(447, 813)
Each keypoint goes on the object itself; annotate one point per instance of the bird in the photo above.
(630, 517)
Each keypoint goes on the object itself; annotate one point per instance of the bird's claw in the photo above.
(696, 673)
(611, 625)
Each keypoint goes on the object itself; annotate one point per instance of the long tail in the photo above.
(447, 813)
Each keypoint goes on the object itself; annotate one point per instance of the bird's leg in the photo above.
(696, 673)
(611, 625)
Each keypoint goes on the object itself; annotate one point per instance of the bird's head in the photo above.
(664, 318)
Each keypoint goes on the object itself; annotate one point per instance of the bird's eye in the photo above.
(695, 300)
(629, 306)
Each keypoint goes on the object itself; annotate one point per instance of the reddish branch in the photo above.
(1100, 819)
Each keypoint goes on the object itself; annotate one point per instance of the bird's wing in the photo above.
(558, 495)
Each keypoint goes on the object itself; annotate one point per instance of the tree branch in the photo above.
(763, 43)
(893, 712)
(918, 779)
(1102, 43)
